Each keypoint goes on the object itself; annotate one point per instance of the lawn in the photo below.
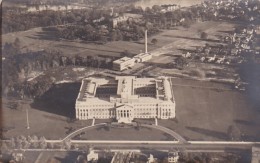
(206, 114)
(202, 114)
(36, 39)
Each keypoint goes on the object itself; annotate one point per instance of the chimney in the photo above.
(145, 41)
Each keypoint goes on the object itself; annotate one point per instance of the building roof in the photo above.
(255, 155)
(142, 55)
(125, 89)
(121, 60)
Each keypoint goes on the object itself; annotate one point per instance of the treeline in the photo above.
(13, 22)
(66, 2)
(17, 67)
(125, 31)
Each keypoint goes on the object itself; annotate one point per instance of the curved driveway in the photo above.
(168, 131)
(71, 135)
(164, 129)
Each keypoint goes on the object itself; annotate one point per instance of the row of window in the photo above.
(96, 106)
(136, 109)
(104, 116)
(111, 106)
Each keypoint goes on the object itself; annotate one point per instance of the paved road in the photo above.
(190, 146)
(167, 145)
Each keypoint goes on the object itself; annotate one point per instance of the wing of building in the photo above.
(125, 98)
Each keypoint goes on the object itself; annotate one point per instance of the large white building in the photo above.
(125, 98)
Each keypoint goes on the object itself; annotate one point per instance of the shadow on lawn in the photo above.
(59, 99)
(198, 39)
(245, 122)
(45, 35)
(216, 134)
(249, 72)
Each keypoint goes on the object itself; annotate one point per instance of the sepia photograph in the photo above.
(130, 81)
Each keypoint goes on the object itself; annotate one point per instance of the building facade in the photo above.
(123, 63)
(125, 98)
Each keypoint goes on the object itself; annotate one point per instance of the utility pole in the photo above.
(27, 119)
(145, 42)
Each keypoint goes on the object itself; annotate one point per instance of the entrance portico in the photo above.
(124, 114)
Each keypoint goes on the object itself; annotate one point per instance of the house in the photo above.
(173, 157)
(92, 156)
(167, 8)
(255, 155)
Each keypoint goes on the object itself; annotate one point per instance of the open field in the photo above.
(37, 39)
(181, 38)
(204, 111)
(128, 133)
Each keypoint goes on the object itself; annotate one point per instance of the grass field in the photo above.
(126, 134)
(204, 111)
(36, 39)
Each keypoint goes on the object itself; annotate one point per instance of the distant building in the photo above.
(122, 157)
(143, 57)
(92, 156)
(173, 157)
(18, 157)
(125, 98)
(126, 62)
(151, 159)
(166, 8)
(117, 20)
(123, 63)
(255, 155)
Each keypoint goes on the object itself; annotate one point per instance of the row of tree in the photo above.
(17, 68)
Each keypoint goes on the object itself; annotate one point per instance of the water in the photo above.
(182, 3)
(53, 7)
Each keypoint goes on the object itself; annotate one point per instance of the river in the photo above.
(182, 3)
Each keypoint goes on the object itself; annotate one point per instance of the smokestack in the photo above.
(146, 51)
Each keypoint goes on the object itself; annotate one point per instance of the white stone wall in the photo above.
(140, 110)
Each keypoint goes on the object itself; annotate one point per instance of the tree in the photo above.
(154, 41)
(4, 148)
(35, 141)
(233, 133)
(181, 62)
(17, 43)
(148, 10)
(157, 8)
(43, 143)
(204, 35)
(126, 53)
